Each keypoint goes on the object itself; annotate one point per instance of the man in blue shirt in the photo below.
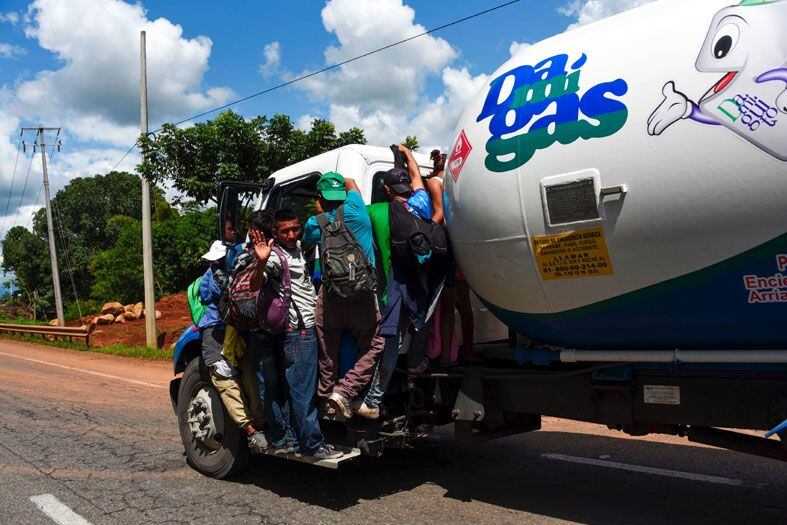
(361, 315)
(399, 331)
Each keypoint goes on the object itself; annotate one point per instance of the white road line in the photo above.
(99, 374)
(58, 511)
(647, 470)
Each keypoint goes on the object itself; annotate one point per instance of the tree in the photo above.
(411, 142)
(118, 271)
(81, 212)
(27, 256)
(196, 159)
(178, 245)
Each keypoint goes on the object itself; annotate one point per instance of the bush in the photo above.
(88, 306)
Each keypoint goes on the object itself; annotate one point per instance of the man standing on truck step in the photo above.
(347, 298)
(296, 349)
(238, 392)
(267, 364)
(406, 187)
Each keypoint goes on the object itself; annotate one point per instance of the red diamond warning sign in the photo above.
(462, 149)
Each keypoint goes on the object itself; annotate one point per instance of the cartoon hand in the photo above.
(781, 101)
(674, 107)
(776, 74)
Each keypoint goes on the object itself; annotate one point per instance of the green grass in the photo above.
(22, 320)
(141, 352)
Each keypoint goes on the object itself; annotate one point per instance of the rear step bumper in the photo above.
(349, 454)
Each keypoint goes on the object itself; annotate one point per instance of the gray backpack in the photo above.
(346, 271)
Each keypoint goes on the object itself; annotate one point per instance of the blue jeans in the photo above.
(286, 367)
(267, 360)
(407, 340)
(300, 372)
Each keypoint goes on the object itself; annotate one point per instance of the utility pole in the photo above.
(49, 224)
(147, 237)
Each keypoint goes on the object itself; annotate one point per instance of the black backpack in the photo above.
(416, 244)
(346, 271)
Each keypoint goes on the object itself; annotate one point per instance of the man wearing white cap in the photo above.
(239, 394)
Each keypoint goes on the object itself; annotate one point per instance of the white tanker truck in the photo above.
(617, 196)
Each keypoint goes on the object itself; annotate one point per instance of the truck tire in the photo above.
(214, 445)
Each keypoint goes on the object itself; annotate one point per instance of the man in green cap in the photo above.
(347, 300)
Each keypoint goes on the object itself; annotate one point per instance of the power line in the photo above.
(325, 69)
(67, 256)
(24, 188)
(344, 62)
(35, 204)
(40, 189)
(124, 156)
(13, 178)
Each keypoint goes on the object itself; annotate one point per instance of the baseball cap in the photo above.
(331, 187)
(399, 181)
(216, 252)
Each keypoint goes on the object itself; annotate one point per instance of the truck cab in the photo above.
(294, 187)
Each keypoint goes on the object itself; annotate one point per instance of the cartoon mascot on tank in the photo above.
(748, 43)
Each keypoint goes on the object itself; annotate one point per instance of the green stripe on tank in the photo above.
(737, 262)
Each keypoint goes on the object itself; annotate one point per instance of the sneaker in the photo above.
(368, 412)
(327, 452)
(283, 451)
(258, 443)
(341, 404)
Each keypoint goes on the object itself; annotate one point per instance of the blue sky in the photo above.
(73, 63)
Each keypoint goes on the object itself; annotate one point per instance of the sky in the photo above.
(75, 64)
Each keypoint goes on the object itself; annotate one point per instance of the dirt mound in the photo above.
(174, 319)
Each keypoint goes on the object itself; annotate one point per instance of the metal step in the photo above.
(349, 454)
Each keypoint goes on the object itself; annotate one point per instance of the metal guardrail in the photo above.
(71, 332)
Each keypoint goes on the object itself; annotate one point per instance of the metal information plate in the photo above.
(662, 395)
(571, 202)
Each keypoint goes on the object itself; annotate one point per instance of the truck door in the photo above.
(236, 202)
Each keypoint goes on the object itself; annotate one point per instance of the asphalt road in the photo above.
(95, 448)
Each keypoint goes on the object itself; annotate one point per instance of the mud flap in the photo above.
(174, 386)
(469, 406)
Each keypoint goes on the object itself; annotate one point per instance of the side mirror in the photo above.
(228, 216)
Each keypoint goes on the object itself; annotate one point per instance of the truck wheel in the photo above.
(214, 445)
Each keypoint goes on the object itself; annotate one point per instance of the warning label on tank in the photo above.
(570, 255)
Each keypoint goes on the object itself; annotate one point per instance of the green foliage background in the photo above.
(99, 217)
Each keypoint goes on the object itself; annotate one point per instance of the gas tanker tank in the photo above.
(624, 184)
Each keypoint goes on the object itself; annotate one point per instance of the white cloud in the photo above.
(11, 51)
(98, 43)
(304, 122)
(587, 11)
(516, 47)
(389, 81)
(272, 54)
(12, 17)
(94, 92)
(382, 93)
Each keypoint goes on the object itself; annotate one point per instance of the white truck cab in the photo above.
(295, 187)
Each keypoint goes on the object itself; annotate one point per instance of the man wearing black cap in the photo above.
(407, 186)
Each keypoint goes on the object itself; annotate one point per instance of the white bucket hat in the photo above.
(216, 252)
